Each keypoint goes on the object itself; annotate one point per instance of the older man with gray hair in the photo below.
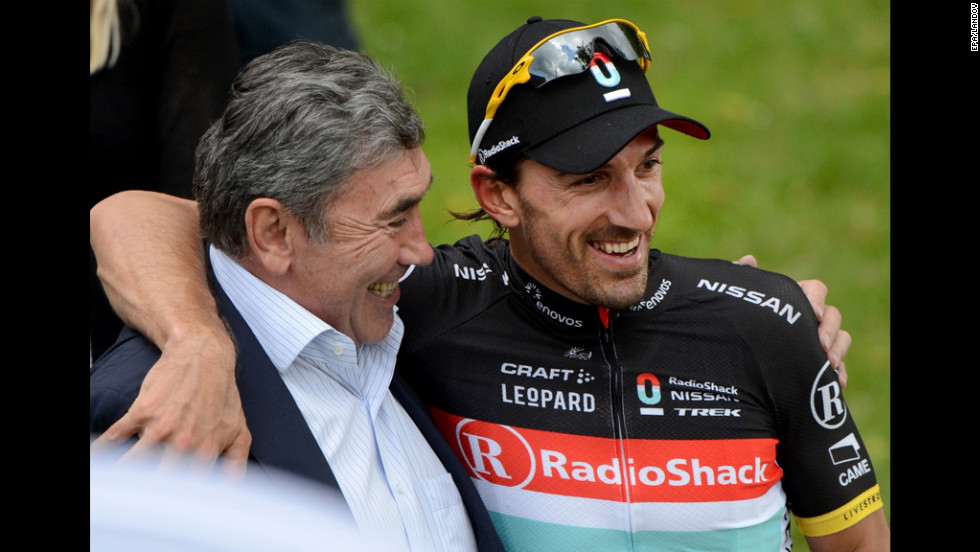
(309, 188)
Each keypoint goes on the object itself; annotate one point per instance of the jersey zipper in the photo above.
(617, 409)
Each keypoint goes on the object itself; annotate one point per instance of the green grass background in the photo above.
(797, 96)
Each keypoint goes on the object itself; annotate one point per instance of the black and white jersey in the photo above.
(698, 418)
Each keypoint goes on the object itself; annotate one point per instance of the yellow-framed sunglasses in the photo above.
(566, 52)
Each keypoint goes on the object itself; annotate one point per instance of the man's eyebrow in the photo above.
(407, 203)
(657, 145)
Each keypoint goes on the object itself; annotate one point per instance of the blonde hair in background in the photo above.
(104, 34)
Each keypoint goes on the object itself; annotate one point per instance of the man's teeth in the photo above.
(382, 289)
(616, 247)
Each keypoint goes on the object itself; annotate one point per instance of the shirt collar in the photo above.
(563, 313)
(282, 326)
(287, 331)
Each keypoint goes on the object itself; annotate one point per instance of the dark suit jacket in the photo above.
(280, 436)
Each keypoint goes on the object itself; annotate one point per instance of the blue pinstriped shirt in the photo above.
(395, 485)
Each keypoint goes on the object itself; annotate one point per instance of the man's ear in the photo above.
(497, 198)
(271, 234)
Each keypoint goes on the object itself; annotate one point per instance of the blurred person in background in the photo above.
(159, 73)
(263, 25)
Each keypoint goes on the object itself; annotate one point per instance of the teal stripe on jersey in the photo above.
(520, 535)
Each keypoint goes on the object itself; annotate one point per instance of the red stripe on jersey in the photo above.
(597, 467)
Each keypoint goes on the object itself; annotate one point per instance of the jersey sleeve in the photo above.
(828, 476)
(457, 281)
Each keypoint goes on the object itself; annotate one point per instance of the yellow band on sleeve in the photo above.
(843, 517)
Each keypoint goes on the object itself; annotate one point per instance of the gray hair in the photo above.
(300, 121)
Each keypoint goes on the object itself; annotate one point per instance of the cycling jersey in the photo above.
(695, 420)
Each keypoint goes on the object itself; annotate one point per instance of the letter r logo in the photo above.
(826, 402)
(831, 399)
(494, 453)
(482, 448)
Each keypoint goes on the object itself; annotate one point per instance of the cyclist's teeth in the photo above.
(618, 247)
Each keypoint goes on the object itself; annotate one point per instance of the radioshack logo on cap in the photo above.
(595, 467)
(485, 154)
(605, 73)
